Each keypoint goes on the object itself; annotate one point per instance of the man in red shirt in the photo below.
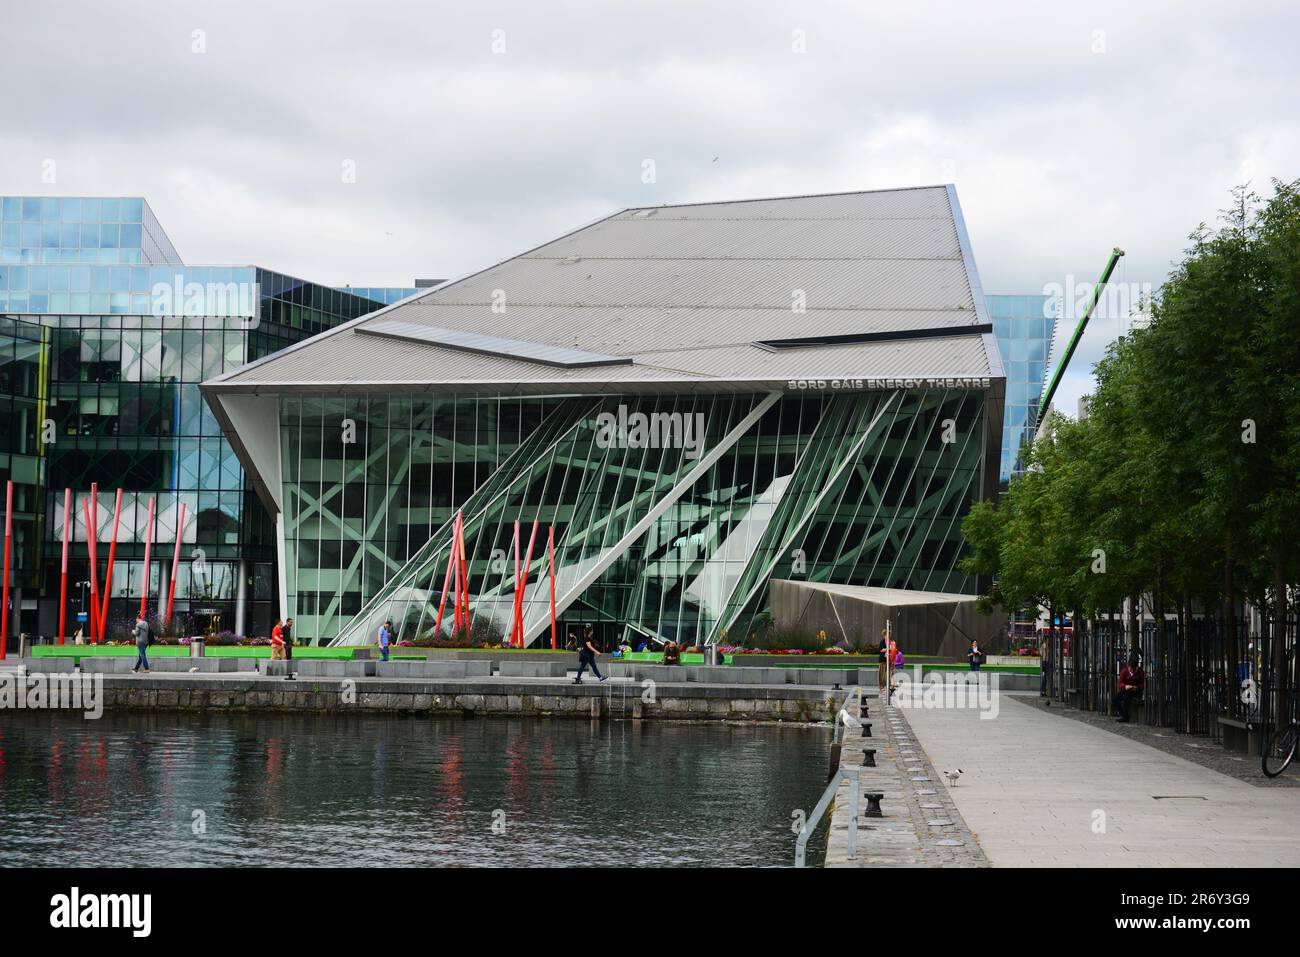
(277, 641)
(1132, 681)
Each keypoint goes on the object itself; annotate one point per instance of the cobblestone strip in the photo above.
(920, 826)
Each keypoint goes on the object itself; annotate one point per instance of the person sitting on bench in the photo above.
(1132, 682)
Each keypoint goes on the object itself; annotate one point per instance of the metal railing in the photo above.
(853, 775)
(1198, 674)
(838, 775)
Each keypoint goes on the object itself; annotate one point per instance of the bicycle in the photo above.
(1279, 748)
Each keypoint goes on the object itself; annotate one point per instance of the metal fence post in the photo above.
(854, 784)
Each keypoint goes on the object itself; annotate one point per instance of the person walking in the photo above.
(587, 659)
(142, 639)
(884, 664)
(277, 640)
(385, 638)
(975, 656)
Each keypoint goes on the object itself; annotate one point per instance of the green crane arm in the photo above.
(1115, 254)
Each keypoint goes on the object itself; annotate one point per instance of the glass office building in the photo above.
(1024, 326)
(106, 336)
(647, 397)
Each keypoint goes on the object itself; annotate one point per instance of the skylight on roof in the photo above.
(856, 338)
(491, 345)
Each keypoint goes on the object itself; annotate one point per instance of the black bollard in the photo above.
(873, 804)
(868, 757)
(866, 729)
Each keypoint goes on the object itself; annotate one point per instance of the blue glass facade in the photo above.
(78, 229)
(385, 294)
(1024, 326)
(107, 335)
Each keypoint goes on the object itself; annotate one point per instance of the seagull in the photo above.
(848, 719)
(194, 669)
(952, 776)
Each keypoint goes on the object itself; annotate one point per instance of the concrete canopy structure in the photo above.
(688, 394)
(922, 622)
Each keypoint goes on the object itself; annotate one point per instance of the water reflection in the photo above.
(322, 791)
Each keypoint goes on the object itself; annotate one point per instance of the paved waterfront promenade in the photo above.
(920, 826)
(1034, 781)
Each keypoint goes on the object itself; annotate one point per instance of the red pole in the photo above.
(148, 545)
(446, 584)
(92, 533)
(519, 595)
(514, 622)
(92, 540)
(550, 550)
(176, 563)
(469, 616)
(63, 578)
(455, 561)
(464, 573)
(108, 575)
(9, 526)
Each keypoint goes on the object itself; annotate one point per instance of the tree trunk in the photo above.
(1134, 625)
(1158, 598)
(1185, 653)
(1094, 629)
(1280, 677)
(1230, 639)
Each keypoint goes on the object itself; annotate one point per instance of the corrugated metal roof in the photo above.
(628, 330)
(762, 283)
(684, 290)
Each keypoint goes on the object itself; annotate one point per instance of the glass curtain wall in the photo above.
(669, 542)
(1024, 326)
(24, 394)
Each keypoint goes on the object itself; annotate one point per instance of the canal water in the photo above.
(220, 790)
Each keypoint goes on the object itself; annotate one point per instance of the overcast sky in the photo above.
(476, 130)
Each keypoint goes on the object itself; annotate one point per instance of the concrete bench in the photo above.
(203, 666)
(844, 677)
(108, 664)
(661, 673)
(332, 668)
(535, 669)
(273, 669)
(49, 665)
(432, 669)
(1242, 736)
(429, 669)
